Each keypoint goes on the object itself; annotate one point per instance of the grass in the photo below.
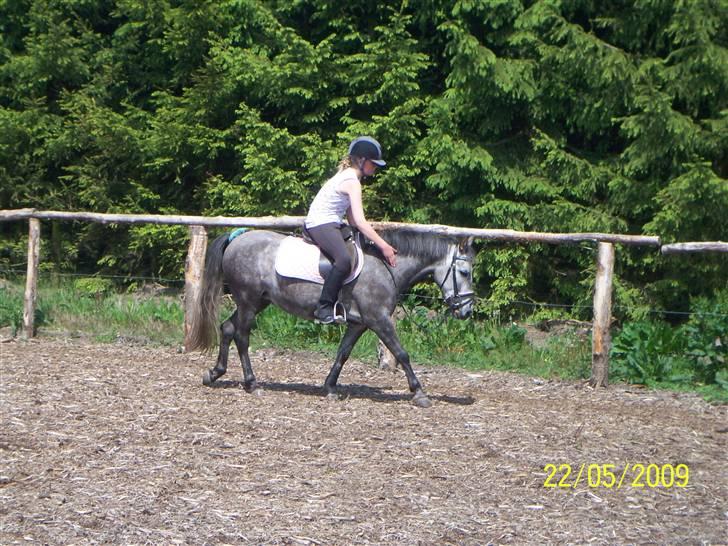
(96, 310)
(473, 345)
(104, 316)
(100, 312)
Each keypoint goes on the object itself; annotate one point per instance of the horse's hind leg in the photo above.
(227, 331)
(244, 324)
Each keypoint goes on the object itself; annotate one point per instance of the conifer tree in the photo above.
(540, 115)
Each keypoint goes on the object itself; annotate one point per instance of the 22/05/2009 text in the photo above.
(635, 475)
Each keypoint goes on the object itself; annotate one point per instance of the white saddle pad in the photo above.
(300, 260)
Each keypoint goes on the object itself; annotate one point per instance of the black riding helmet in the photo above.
(368, 148)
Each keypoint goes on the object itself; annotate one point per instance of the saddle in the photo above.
(298, 258)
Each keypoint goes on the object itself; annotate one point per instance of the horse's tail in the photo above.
(203, 334)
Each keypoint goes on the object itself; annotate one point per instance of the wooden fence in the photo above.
(194, 263)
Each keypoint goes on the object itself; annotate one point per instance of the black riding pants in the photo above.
(329, 239)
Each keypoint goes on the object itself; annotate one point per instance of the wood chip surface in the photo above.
(120, 444)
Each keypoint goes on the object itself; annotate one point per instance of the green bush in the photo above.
(706, 336)
(645, 352)
(93, 287)
(654, 351)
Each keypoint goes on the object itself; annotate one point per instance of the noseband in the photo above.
(457, 299)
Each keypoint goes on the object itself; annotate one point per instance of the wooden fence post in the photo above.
(194, 266)
(385, 357)
(31, 279)
(601, 339)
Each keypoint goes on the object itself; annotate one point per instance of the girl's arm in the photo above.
(356, 217)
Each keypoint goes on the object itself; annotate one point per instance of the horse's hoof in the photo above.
(421, 401)
(333, 397)
(253, 388)
(249, 386)
(207, 379)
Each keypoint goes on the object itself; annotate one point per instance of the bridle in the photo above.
(457, 299)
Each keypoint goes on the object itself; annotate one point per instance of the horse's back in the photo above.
(256, 238)
(249, 271)
(251, 255)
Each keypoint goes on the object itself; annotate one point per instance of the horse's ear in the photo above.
(466, 243)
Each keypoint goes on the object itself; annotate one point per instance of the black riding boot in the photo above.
(329, 294)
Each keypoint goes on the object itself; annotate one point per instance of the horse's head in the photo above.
(454, 276)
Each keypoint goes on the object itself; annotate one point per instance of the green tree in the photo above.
(540, 115)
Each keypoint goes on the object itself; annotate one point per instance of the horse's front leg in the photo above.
(227, 331)
(384, 328)
(352, 335)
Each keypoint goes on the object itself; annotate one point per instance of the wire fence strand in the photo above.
(573, 307)
(89, 275)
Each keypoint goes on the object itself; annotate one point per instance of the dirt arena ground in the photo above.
(118, 444)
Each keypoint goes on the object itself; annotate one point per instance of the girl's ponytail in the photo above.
(345, 163)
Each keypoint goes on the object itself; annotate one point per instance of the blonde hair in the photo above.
(348, 161)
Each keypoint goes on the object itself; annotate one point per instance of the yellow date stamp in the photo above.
(610, 476)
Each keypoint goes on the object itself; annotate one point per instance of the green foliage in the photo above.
(11, 307)
(93, 287)
(691, 356)
(92, 306)
(438, 340)
(278, 328)
(706, 335)
(163, 247)
(540, 115)
(648, 352)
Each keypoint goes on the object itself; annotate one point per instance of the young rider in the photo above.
(339, 196)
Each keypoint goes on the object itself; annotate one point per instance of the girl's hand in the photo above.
(390, 254)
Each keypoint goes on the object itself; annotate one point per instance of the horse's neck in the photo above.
(411, 269)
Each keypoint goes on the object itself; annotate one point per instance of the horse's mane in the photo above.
(413, 243)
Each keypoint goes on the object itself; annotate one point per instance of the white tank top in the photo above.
(330, 204)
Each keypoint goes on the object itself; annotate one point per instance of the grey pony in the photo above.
(246, 266)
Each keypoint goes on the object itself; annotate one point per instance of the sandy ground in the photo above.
(119, 444)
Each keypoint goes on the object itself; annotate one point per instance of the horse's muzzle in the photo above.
(464, 312)
(461, 305)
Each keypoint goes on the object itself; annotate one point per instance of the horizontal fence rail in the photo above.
(194, 264)
(680, 248)
(295, 222)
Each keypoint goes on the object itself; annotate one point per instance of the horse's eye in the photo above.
(464, 271)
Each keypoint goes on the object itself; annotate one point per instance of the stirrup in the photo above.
(339, 318)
